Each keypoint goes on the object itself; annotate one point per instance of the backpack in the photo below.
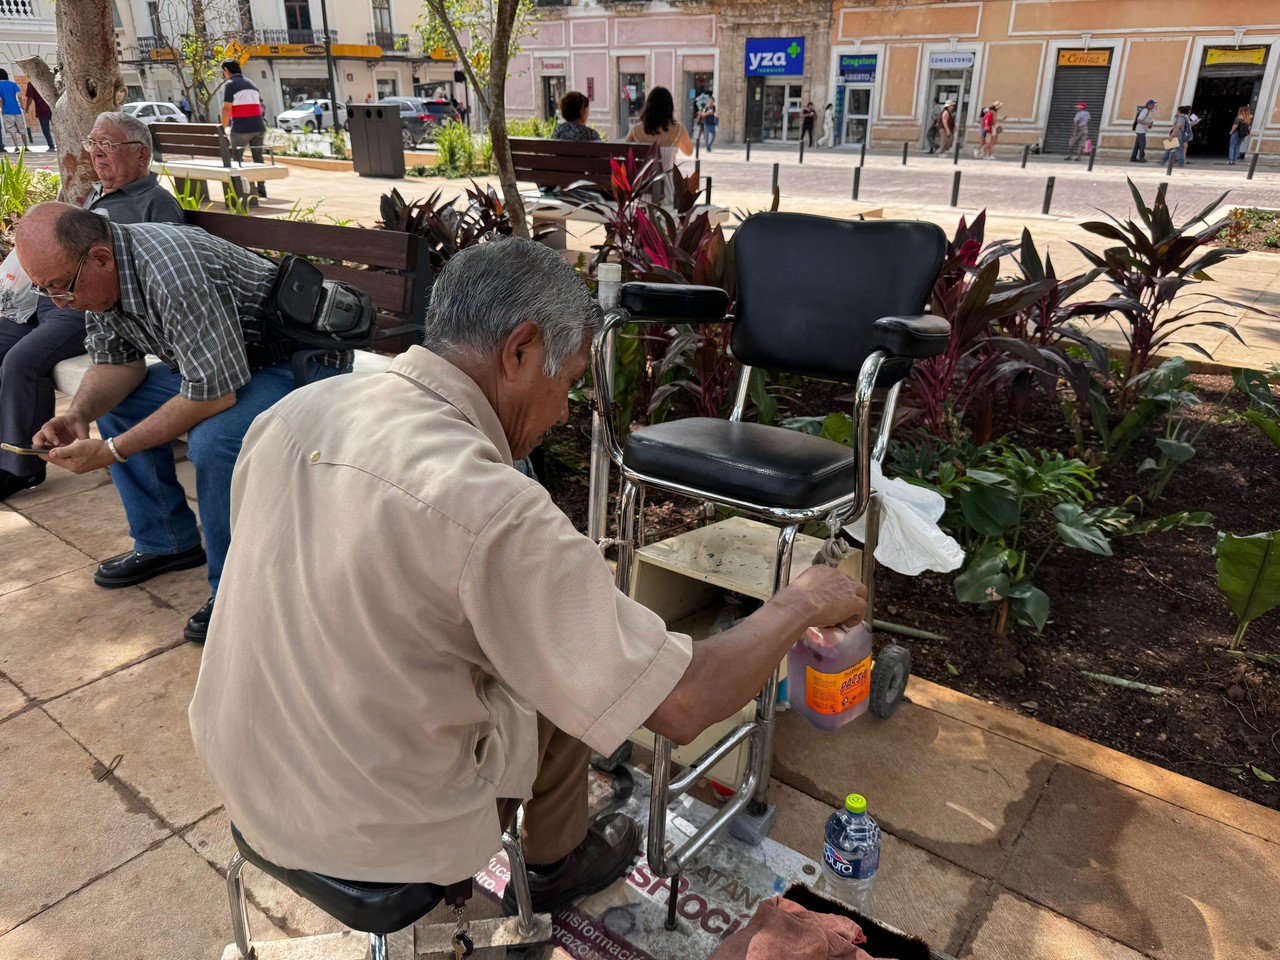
(1242, 129)
(1136, 117)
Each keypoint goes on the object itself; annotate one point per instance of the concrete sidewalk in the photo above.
(1005, 838)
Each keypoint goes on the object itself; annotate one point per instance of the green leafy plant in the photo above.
(531, 127)
(1157, 391)
(1156, 264)
(1249, 576)
(1264, 411)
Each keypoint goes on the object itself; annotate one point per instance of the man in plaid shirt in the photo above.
(199, 304)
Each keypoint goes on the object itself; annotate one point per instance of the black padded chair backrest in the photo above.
(809, 289)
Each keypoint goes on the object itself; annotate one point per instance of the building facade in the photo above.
(893, 63)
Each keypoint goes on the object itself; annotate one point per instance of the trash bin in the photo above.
(376, 147)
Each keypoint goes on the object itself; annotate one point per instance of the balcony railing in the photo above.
(296, 36)
(17, 10)
(147, 44)
(390, 42)
(552, 3)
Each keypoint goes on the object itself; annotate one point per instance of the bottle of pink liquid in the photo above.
(829, 674)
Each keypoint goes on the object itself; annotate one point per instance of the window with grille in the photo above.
(297, 14)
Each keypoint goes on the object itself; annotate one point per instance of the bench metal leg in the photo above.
(377, 946)
(239, 908)
(519, 878)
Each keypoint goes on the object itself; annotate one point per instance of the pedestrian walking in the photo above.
(828, 126)
(991, 130)
(947, 126)
(44, 112)
(14, 122)
(1240, 129)
(931, 137)
(242, 112)
(807, 117)
(185, 106)
(1179, 135)
(318, 109)
(1143, 120)
(1079, 131)
(710, 123)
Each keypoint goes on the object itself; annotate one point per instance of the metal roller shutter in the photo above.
(1073, 85)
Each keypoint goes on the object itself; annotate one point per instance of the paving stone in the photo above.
(187, 477)
(211, 839)
(140, 713)
(184, 590)
(914, 891)
(60, 828)
(1014, 929)
(166, 904)
(945, 786)
(66, 632)
(33, 554)
(1168, 883)
(93, 521)
(11, 700)
(58, 483)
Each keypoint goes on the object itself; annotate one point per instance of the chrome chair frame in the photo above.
(751, 795)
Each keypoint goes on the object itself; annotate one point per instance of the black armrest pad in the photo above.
(913, 338)
(674, 301)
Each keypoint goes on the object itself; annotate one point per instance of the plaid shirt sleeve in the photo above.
(201, 322)
(104, 345)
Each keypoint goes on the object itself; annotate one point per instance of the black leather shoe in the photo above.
(11, 483)
(197, 627)
(607, 854)
(133, 567)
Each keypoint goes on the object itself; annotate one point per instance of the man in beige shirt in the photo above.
(412, 638)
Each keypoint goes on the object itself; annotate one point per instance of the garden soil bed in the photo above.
(1152, 613)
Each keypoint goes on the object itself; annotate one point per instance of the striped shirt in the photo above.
(192, 299)
(246, 105)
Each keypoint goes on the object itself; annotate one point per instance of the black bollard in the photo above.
(1168, 167)
(1092, 153)
(748, 149)
(857, 181)
(1161, 191)
(802, 149)
(697, 145)
(905, 147)
(775, 178)
(955, 154)
(1048, 196)
(708, 189)
(862, 157)
(1026, 152)
(1253, 165)
(955, 189)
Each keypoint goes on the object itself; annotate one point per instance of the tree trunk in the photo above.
(499, 58)
(88, 84)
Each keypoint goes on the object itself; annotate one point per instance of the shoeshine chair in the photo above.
(830, 299)
(380, 909)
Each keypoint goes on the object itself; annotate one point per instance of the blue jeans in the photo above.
(1182, 154)
(709, 132)
(154, 501)
(1234, 151)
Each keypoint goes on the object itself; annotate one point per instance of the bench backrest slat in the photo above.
(169, 140)
(559, 163)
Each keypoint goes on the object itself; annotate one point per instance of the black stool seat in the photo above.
(361, 905)
(769, 466)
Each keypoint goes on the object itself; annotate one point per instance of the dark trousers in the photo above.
(28, 353)
(1139, 147)
(44, 128)
(254, 142)
(806, 130)
(555, 817)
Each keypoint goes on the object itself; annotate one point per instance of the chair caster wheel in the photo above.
(889, 674)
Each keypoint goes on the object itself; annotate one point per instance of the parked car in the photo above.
(302, 116)
(420, 119)
(154, 111)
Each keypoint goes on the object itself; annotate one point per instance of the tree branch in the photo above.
(439, 11)
(41, 77)
(500, 56)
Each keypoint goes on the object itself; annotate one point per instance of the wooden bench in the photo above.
(397, 275)
(562, 163)
(196, 153)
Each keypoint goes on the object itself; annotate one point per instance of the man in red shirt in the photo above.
(242, 112)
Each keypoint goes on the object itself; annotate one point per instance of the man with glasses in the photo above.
(119, 147)
(197, 302)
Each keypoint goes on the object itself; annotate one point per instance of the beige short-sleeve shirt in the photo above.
(398, 603)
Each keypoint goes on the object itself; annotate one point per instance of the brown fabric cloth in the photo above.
(782, 928)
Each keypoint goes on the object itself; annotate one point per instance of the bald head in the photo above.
(56, 242)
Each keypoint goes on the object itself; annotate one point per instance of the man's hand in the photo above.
(65, 429)
(82, 456)
(829, 596)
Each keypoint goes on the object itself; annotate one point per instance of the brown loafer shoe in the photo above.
(605, 855)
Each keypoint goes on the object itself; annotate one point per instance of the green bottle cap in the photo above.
(855, 803)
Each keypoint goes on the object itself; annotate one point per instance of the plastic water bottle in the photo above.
(851, 854)
(829, 674)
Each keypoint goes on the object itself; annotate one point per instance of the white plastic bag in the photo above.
(910, 539)
(17, 298)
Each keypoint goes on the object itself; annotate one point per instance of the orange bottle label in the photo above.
(833, 693)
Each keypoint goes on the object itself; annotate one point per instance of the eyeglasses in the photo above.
(107, 145)
(67, 294)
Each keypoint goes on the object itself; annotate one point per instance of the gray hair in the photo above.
(131, 127)
(488, 290)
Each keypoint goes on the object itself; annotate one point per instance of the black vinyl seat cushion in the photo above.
(361, 905)
(750, 462)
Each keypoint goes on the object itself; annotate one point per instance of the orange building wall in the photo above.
(1076, 15)
(1012, 70)
(900, 95)
(955, 19)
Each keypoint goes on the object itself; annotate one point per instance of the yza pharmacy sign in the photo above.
(775, 56)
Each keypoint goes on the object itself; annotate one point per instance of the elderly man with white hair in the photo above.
(125, 192)
(411, 638)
